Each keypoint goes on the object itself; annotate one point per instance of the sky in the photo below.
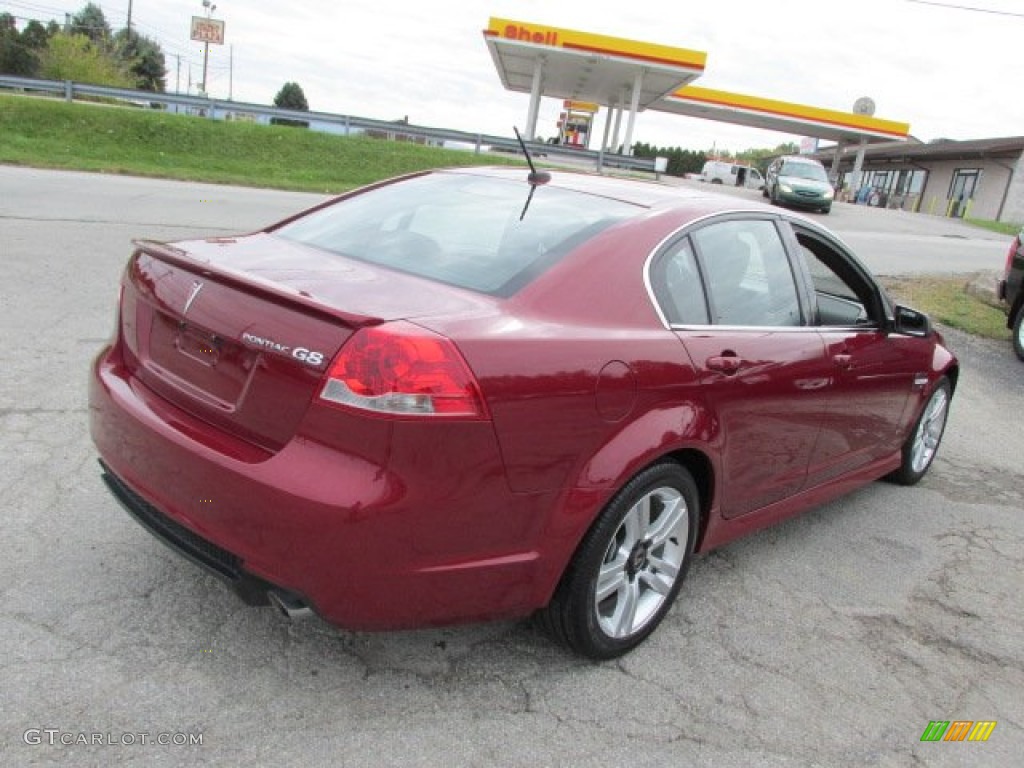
(949, 73)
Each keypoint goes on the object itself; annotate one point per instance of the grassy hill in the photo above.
(46, 133)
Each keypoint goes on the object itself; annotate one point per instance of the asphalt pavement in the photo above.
(831, 640)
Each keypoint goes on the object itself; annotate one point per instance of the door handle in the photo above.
(728, 364)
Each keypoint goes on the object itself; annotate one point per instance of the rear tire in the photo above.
(923, 442)
(629, 567)
(1018, 333)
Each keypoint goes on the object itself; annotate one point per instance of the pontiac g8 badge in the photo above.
(307, 356)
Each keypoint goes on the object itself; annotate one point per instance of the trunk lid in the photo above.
(239, 331)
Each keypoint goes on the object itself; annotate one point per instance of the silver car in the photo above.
(799, 181)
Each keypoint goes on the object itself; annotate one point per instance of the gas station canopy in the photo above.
(585, 67)
(626, 74)
(755, 112)
(578, 66)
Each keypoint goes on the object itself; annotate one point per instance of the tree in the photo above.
(91, 22)
(35, 36)
(291, 97)
(143, 58)
(760, 158)
(16, 58)
(74, 57)
(680, 161)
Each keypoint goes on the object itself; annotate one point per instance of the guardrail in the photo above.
(219, 108)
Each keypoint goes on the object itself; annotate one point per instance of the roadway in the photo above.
(895, 242)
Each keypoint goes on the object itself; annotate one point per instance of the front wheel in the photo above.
(921, 446)
(629, 567)
(1018, 333)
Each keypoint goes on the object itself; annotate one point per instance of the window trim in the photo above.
(881, 313)
(669, 241)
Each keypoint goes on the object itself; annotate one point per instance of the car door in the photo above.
(731, 298)
(875, 370)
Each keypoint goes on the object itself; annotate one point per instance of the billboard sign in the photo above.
(808, 145)
(208, 30)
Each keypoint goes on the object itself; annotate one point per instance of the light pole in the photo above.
(210, 8)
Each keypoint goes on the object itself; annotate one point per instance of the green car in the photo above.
(799, 181)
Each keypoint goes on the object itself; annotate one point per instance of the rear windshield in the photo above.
(804, 171)
(463, 230)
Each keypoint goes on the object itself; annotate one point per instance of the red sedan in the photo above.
(465, 395)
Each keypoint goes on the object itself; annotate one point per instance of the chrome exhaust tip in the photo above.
(295, 608)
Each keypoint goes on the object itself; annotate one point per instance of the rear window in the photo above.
(464, 230)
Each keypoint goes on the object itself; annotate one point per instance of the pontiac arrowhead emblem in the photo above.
(196, 288)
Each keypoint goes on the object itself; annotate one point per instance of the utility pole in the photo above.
(206, 61)
(128, 26)
(210, 8)
(231, 71)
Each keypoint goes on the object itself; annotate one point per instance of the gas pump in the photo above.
(575, 122)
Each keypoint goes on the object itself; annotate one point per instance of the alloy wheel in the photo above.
(642, 563)
(929, 430)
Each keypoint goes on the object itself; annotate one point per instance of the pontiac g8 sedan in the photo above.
(466, 395)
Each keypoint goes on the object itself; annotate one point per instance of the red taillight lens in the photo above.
(401, 369)
(1009, 256)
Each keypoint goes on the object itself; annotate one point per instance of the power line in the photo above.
(170, 46)
(174, 46)
(955, 7)
(37, 7)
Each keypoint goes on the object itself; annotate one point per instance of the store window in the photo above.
(962, 189)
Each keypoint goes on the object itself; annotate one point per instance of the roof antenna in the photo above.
(536, 177)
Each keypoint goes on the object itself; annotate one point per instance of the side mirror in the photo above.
(910, 322)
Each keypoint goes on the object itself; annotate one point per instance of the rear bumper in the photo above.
(367, 546)
(207, 555)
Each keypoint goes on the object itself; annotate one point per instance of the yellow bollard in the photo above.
(949, 208)
(967, 208)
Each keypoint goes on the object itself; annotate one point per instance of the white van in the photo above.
(719, 172)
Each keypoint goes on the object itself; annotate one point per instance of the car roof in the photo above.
(640, 192)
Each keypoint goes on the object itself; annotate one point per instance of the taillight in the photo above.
(401, 369)
(1009, 256)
